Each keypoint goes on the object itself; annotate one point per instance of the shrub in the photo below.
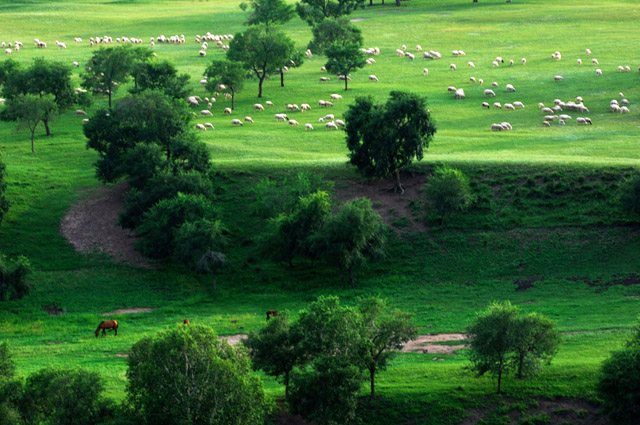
(629, 194)
(13, 278)
(448, 191)
(619, 385)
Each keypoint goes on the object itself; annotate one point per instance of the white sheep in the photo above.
(324, 79)
(594, 61)
(561, 121)
(236, 121)
(451, 89)
(201, 127)
(579, 61)
(624, 110)
(427, 55)
(472, 79)
(404, 47)
(293, 122)
(308, 126)
(588, 51)
(373, 78)
(506, 126)
(305, 107)
(489, 92)
(206, 112)
(550, 117)
(268, 103)
(452, 66)
(620, 68)
(340, 123)
(497, 105)
(471, 64)
(336, 96)
(323, 69)
(518, 105)
(8, 51)
(579, 99)
(540, 105)
(203, 82)
(418, 47)
(621, 95)
(494, 84)
(209, 125)
(328, 103)
(85, 120)
(329, 117)
(281, 117)
(546, 124)
(614, 107)
(495, 64)
(331, 126)
(523, 60)
(497, 127)
(202, 53)
(410, 56)
(258, 107)
(624, 102)
(425, 71)
(509, 107)
(557, 78)
(480, 81)
(598, 71)
(460, 94)
(399, 52)
(499, 59)
(546, 110)
(248, 119)
(321, 119)
(76, 64)
(227, 111)
(511, 62)
(510, 87)
(486, 105)
(564, 117)
(80, 112)
(627, 68)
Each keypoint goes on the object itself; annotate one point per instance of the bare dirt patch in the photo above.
(128, 311)
(91, 226)
(601, 284)
(429, 344)
(122, 355)
(234, 339)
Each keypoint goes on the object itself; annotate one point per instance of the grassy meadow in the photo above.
(545, 212)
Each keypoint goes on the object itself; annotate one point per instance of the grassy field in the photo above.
(545, 212)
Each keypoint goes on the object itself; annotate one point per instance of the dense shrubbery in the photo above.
(13, 282)
(629, 194)
(448, 191)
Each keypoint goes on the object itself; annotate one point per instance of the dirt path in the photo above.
(91, 226)
(128, 311)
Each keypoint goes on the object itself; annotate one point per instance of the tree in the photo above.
(448, 191)
(4, 204)
(619, 385)
(334, 31)
(261, 51)
(492, 336)
(269, 12)
(296, 60)
(314, 11)
(10, 388)
(163, 76)
(13, 278)
(629, 194)
(194, 239)
(187, 376)
(351, 238)
(107, 68)
(342, 60)
(536, 339)
(273, 349)
(230, 74)
(30, 110)
(384, 138)
(210, 262)
(385, 331)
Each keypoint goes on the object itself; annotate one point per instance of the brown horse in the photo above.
(111, 325)
(271, 313)
(185, 321)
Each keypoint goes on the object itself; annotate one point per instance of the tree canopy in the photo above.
(163, 76)
(314, 11)
(230, 74)
(268, 12)
(334, 31)
(344, 59)
(30, 110)
(448, 191)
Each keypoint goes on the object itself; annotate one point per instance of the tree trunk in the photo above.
(499, 377)
(399, 187)
(475, 1)
(370, 2)
(214, 281)
(520, 363)
(281, 78)
(286, 385)
(345, 83)
(398, 3)
(109, 99)
(260, 86)
(32, 134)
(46, 126)
(372, 374)
(233, 95)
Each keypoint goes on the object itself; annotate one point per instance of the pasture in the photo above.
(546, 213)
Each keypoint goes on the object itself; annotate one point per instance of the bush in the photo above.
(448, 191)
(629, 194)
(13, 278)
(619, 385)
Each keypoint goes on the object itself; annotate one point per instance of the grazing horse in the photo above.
(271, 313)
(185, 321)
(111, 325)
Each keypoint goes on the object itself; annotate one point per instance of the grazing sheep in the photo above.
(561, 121)
(425, 71)
(624, 101)
(203, 82)
(509, 107)
(480, 81)
(206, 112)
(546, 110)
(227, 111)
(305, 107)
(418, 47)
(472, 79)
(410, 56)
(268, 103)
(489, 92)
(293, 122)
(281, 117)
(624, 110)
(371, 61)
(499, 59)
(8, 51)
(511, 62)
(506, 126)
(550, 117)
(340, 123)
(399, 52)
(518, 105)
(331, 126)
(497, 105)
(327, 103)
(614, 107)
(323, 69)
(451, 89)
(524, 60)
(258, 107)
(579, 99)
(80, 112)
(85, 120)
(594, 61)
(322, 103)
(373, 78)
(579, 61)
(557, 56)
(336, 96)
(557, 108)
(620, 68)
(460, 94)
(495, 64)
(471, 64)
(236, 121)
(452, 67)
(627, 68)
(324, 79)
(557, 78)
(209, 125)
(584, 121)
(486, 105)
(201, 127)
(76, 64)
(404, 47)
(321, 119)
(564, 117)
(621, 95)
(308, 126)
(588, 51)
(308, 53)
(202, 53)
(510, 87)
(497, 127)
(546, 124)
(494, 84)
(598, 71)
(329, 117)
(613, 102)
(427, 55)
(540, 105)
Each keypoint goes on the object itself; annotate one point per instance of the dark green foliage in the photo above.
(536, 340)
(187, 376)
(230, 74)
(13, 278)
(261, 50)
(273, 349)
(331, 31)
(210, 262)
(7, 365)
(294, 61)
(159, 75)
(7, 68)
(162, 222)
(4, 203)
(344, 59)
(29, 110)
(314, 11)
(273, 198)
(10, 388)
(163, 185)
(194, 239)
(64, 397)
(384, 138)
(448, 191)
(142, 163)
(269, 12)
(355, 235)
(629, 194)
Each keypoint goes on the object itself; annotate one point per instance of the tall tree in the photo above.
(230, 74)
(384, 138)
(334, 31)
(314, 11)
(342, 60)
(107, 68)
(150, 74)
(384, 332)
(268, 12)
(30, 110)
(261, 51)
(354, 236)
(536, 340)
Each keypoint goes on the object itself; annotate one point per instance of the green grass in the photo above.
(545, 211)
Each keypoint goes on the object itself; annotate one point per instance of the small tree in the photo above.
(384, 331)
(162, 76)
(231, 74)
(384, 138)
(107, 68)
(536, 339)
(351, 238)
(332, 31)
(211, 262)
(448, 191)
(492, 336)
(13, 278)
(194, 239)
(273, 349)
(187, 376)
(269, 12)
(619, 385)
(342, 60)
(314, 11)
(261, 51)
(30, 110)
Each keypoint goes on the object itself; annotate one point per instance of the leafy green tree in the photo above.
(629, 194)
(332, 31)
(290, 233)
(30, 110)
(13, 278)
(7, 68)
(448, 191)
(296, 60)
(352, 237)
(159, 75)
(384, 138)
(273, 349)
(108, 68)
(162, 222)
(314, 11)
(211, 262)
(10, 388)
(261, 50)
(64, 397)
(268, 12)
(4, 203)
(230, 74)
(343, 60)
(187, 376)
(492, 336)
(384, 331)
(619, 385)
(536, 339)
(194, 239)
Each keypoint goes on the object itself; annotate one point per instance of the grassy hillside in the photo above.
(545, 230)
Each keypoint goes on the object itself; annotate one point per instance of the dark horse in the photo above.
(111, 325)
(271, 313)
(185, 321)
